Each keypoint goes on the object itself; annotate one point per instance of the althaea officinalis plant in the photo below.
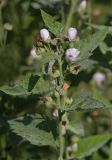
(55, 59)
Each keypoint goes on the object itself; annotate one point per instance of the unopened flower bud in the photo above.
(56, 94)
(8, 26)
(63, 129)
(56, 74)
(40, 51)
(99, 78)
(73, 70)
(55, 113)
(75, 139)
(83, 5)
(32, 57)
(69, 148)
(44, 34)
(65, 86)
(75, 147)
(71, 54)
(68, 101)
(72, 33)
(33, 54)
(49, 102)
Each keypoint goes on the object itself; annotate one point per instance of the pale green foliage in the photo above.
(54, 26)
(84, 101)
(86, 47)
(36, 130)
(76, 127)
(90, 43)
(88, 63)
(104, 48)
(37, 4)
(16, 90)
(100, 27)
(87, 146)
(27, 87)
(47, 57)
(97, 94)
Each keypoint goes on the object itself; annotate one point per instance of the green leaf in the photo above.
(47, 57)
(44, 3)
(75, 126)
(86, 64)
(91, 144)
(87, 45)
(83, 101)
(36, 130)
(97, 94)
(110, 152)
(32, 82)
(104, 48)
(100, 27)
(97, 156)
(54, 26)
(28, 86)
(41, 87)
(16, 90)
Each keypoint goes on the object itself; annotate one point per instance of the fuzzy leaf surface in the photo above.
(75, 125)
(84, 101)
(87, 45)
(34, 85)
(54, 26)
(36, 130)
(87, 146)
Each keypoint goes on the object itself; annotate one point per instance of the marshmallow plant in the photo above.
(51, 83)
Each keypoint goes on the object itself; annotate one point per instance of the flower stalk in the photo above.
(70, 14)
(61, 141)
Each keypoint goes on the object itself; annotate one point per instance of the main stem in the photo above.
(61, 141)
(61, 136)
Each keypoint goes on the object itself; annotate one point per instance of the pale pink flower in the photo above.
(71, 54)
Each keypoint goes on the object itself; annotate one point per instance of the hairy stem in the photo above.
(60, 126)
(61, 72)
(61, 142)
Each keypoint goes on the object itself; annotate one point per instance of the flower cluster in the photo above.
(71, 53)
